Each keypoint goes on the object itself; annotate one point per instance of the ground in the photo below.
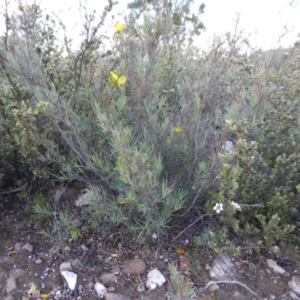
(29, 256)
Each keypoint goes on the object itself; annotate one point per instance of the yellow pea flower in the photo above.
(177, 129)
(180, 251)
(119, 27)
(115, 79)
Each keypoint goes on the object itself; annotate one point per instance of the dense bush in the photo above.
(144, 124)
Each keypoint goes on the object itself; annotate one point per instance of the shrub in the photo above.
(143, 124)
(261, 173)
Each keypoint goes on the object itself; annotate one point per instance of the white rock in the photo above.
(155, 278)
(277, 269)
(228, 146)
(71, 279)
(294, 296)
(100, 289)
(294, 284)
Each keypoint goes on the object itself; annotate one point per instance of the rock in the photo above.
(100, 289)
(154, 279)
(75, 263)
(25, 298)
(135, 266)
(65, 266)
(114, 296)
(11, 284)
(28, 247)
(90, 285)
(10, 297)
(294, 284)
(213, 287)
(207, 267)
(236, 294)
(38, 261)
(18, 247)
(294, 296)
(71, 279)
(184, 264)
(115, 270)
(140, 288)
(107, 278)
(16, 273)
(223, 268)
(277, 269)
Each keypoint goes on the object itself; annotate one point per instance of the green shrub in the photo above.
(144, 125)
(261, 173)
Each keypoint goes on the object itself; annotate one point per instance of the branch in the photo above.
(232, 282)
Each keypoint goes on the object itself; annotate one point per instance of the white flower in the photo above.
(235, 206)
(218, 207)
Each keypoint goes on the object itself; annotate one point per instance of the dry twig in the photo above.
(232, 282)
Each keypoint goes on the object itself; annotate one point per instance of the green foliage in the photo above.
(261, 173)
(180, 287)
(154, 144)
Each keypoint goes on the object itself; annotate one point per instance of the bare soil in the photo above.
(93, 255)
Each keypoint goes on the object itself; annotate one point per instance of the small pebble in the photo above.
(38, 261)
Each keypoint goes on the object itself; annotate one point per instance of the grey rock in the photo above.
(135, 266)
(11, 284)
(18, 247)
(114, 296)
(107, 278)
(65, 266)
(277, 269)
(294, 284)
(16, 273)
(223, 268)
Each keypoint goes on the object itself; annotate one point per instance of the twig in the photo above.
(189, 227)
(232, 282)
(19, 189)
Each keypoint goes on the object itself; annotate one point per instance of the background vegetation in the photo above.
(155, 127)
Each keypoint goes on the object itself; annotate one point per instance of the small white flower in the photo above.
(236, 206)
(218, 207)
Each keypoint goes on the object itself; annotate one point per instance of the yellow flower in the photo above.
(123, 202)
(148, 166)
(177, 129)
(115, 79)
(119, 27)
(180, 251)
